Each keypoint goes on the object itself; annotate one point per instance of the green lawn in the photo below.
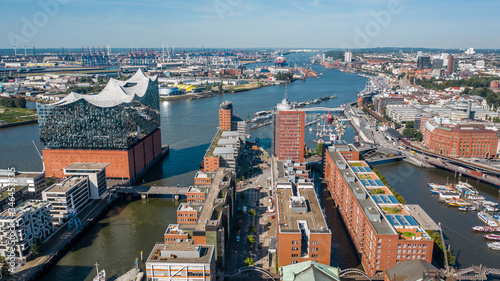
(13, 115)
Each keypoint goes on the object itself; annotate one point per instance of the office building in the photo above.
(288, 132)
(424, 62)
(181, 260)
(466, 140)
(20, 195)
(119, 125)
(35, 181)
(452, 65)
(383, 100)
(96, 174)
(70, 195)
(383, 231)
(437, 64)
(30, 222)
(303, 234)
(348, 56)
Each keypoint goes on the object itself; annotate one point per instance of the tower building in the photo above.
(288, 132)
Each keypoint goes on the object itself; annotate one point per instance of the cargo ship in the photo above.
(280, 61)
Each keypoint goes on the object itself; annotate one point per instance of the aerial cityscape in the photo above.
(236, 140)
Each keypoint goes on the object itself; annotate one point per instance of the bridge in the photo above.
(146, 191)
(322, 109)
(475, 272)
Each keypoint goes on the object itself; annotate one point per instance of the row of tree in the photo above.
(11, 102)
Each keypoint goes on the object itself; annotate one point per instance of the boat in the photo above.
(489, 203)
(492, 237)
(486, 219)
(494, 246)
(448, 195)
(486, 228)
(490, 209)
(329, 117)
(457, 202)
(465, 188)
(467, 208)
(101, 275)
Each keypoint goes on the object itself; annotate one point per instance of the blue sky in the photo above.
(250, 24)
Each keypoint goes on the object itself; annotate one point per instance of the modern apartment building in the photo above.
(384, 231)
(68, 195)
(18, 231)
(35, 181)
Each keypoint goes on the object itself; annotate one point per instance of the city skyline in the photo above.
(256, 24)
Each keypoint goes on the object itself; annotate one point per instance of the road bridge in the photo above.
(163, 191)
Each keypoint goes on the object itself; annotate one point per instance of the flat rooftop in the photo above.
(66, 185)
(288, 220)
(5, 173)
(382, 225)
(425, 221)
(87, 166)
(206, 253)
(226, 134)
(207, 207)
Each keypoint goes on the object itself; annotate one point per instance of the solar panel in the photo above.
(410, 220)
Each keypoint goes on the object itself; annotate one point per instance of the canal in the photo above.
(188, 126)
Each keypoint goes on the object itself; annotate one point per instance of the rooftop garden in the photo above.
(392, 210)
(377, 191)
(6, 193)
(213, 145)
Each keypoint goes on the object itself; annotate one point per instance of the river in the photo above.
(188, 126)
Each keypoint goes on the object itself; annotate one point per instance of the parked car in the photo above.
(238, 238)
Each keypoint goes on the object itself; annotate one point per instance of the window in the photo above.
(314, 256)
(315, 243)
(295, 255)
(295, 242)
(295, 249)
(314, 249)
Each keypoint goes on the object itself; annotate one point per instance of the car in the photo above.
(259, 246)
(237, 246)
(238, 238)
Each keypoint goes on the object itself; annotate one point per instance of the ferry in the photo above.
(494, 246)
(492, 237)
(487, 219)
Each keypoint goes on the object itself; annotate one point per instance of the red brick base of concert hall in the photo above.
(123, 163)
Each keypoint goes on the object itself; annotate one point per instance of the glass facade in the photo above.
(88, 122)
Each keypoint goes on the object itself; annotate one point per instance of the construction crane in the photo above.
(39, 154)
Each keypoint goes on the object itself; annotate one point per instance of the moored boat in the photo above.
(486, 219)
(467, 208)
(485, 228)
(494, 246)
(492, 237)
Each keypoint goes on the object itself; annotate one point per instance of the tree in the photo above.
(284, 76)
(7, 102)
(410, 124)
(36, 247)
(50, 181)
(249, 261)
(412, 133)
(251, 228)
(250, 240)
(319, 149)
(21, 102)
(253, 212)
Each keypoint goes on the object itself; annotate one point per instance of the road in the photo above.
(251, 198)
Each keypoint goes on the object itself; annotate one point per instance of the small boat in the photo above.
(101, 275)
(492, 237)
(494, 246)
(490, 209)
(467, 208)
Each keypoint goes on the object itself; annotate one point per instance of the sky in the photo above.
(346, 24)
